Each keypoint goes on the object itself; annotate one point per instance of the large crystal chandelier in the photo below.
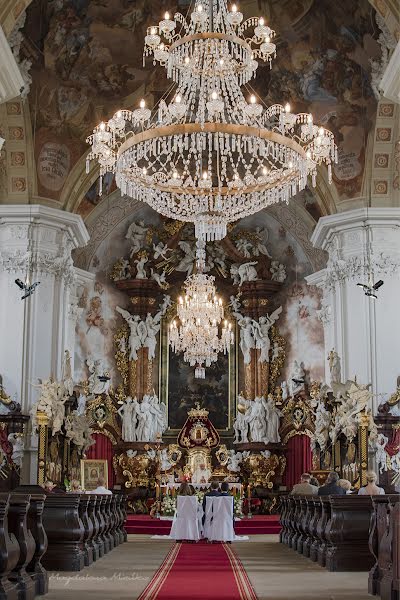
(208, 153)
(200, 313)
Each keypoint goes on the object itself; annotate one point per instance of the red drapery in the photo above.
(299, 459)
(103, 448)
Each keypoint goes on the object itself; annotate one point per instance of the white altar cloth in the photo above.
(201, 486)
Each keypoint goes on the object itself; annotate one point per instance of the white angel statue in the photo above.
(235, 459)
(140, 270)
(261, 333)
(136, 234)
(244, 272)
(134, 338)
(161, 250)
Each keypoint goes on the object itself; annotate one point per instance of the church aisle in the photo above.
(278, 573)
(124, 573)
(200, 571)
(274, 571)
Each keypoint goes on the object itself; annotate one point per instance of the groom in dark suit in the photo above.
(213, 492)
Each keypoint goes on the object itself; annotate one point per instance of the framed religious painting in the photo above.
(91, 470)
(180, 390)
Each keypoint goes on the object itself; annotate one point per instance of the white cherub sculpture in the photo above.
(140, 270)
(235, 459)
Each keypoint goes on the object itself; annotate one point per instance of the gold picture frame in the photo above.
(91, 470)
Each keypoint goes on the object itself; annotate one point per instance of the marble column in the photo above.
(364, 331)
(37, 241)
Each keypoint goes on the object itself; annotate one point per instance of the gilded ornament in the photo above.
(174, 454)
(222, 455)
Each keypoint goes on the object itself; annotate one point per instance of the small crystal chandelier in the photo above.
(207, 154)
(200, 313)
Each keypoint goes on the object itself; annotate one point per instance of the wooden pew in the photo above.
(322, 526)
(17, 524)
(9, 552)
(114, 529)
(310, 508)
(109, 522)
(93, 542)
(378, 527)
(302, 524)
(65, 533)
(103, 543)
(283, 510)
(124, 513)
(119, 500)
(314, 528)
(389, 553)
(35, 525)
(86, 547)
(295, 522)
(347, 534)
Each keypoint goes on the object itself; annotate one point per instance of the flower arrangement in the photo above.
(199, 495)
(168, 506)
(238, 505)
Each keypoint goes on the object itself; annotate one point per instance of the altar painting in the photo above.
(180, 390)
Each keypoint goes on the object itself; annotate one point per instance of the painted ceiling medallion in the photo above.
(206, 153)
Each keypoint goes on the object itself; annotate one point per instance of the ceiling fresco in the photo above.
(88, 62)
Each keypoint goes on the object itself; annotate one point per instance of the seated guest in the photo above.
(305, 487)
(101, 489)
(371, 489)
(314, 481)
(75, 487)
(213, 492)
(185, 489)
(48, 486)
(346, 485)
(331, 487)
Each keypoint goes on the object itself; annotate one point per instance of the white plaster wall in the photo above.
(365, 332)
(34, 331)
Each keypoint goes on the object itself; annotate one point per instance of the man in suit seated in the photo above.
(331, 487)
(305, 487)
(225, 489)
(213, 492)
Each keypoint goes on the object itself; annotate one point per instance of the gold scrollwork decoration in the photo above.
(275, 367)
(174, 454)
(222, 455)
(121, 340)
(294, 432)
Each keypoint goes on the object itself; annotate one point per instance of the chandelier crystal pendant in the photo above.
(206, 153)
(200, 313)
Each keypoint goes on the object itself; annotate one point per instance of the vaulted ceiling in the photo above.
(87, 61)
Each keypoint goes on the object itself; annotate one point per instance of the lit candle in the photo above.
(249, 493)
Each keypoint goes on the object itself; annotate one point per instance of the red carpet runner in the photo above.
(200, 572)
